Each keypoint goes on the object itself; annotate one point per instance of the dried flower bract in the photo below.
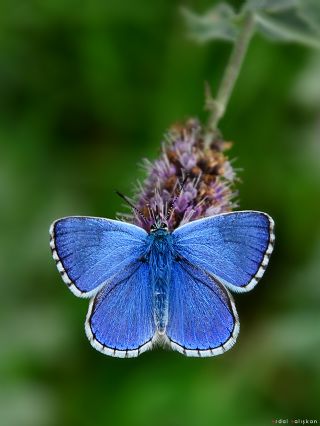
(197, 181)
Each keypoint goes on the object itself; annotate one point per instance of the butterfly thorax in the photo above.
(160, 260)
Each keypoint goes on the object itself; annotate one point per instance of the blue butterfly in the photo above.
(162, 287)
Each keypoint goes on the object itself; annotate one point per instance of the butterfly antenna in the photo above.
(151, 212)
(157, 214)
(134, 208)
(174, 199)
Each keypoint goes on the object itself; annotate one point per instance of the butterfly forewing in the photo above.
(90, 251)
(233, 247)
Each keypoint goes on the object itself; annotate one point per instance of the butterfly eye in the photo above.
(163, 225)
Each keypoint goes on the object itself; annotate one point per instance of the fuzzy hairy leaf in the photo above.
(310, 12)
(269, 5)
(296, 21)
(218, 23)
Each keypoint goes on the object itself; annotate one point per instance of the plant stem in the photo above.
(218, 105)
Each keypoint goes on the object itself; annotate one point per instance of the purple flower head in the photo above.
(187, 181)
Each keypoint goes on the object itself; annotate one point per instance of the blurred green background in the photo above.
(86, 90)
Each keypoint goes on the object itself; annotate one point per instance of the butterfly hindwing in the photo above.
(90, 251)
(202, 319)
(120, 319)
(233, 247)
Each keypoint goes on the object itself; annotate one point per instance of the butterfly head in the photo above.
(159, 225)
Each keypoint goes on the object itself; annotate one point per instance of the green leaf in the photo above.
(310, 12)
(287, 20)
(291, 21)
(217, 23)
(269, 5)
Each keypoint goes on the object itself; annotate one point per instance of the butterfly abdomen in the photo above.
(160, 261)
